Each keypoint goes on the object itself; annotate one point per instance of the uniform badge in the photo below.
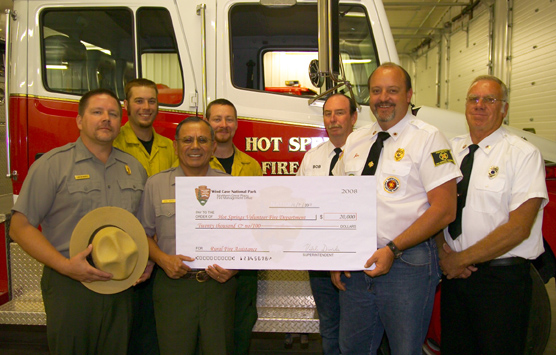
(127, 170)
(171, 200)
(82, 177)
(371, 164)
(391, 184)
(492, 172)
(399, 154)
(442, 157)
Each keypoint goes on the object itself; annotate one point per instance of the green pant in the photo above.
(80, 321)
(246, 310)
(194, 315)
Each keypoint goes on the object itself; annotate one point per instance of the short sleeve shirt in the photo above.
(68, 182)
(157, 211)
(316, 162)
(507, 171)
(415, 160)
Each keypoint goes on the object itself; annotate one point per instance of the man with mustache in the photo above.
(485, 254)
(222, 116)
(193, 308)
(156, 153)
(416, 197)
(62, 186)
(339, 116)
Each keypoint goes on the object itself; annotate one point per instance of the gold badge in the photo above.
(371, 164)
(399, 154)
(172, 200)
(128, 170)
(492, 172)
(82, 177)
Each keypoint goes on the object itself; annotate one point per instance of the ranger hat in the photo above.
(119, 247)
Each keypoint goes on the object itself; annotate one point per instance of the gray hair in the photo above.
(496, 80)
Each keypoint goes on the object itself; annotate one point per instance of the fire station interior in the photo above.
(79, 56)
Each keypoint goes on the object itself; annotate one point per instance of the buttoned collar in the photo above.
(395, 131)
(82, 153)
(488, 143)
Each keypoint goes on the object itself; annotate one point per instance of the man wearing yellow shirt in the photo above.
(156, 153)
(222, 116)
(138, 137)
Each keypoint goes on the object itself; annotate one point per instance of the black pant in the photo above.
(488, 312)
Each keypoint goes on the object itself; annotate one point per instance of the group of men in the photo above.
(484, 250)
(479, 226)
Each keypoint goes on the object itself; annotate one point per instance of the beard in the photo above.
(384, 117)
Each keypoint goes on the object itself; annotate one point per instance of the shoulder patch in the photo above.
(442, 157)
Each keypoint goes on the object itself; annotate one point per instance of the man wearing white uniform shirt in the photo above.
(339, 116)
(485, 252)
(416, 197)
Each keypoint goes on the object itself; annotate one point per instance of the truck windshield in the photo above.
(272, 48)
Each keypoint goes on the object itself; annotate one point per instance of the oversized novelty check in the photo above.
(288, 223)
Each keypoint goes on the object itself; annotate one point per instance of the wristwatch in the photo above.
(397, 252)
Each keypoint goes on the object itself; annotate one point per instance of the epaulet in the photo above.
(58, 150)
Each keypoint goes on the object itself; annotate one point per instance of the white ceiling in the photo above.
(412, 21)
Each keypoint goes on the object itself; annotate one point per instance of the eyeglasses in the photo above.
(474, 100)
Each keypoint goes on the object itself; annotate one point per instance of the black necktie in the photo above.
(334, 160)
(466, 165)
(374, 154)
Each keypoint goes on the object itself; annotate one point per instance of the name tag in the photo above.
(82, 177)
(173, 200)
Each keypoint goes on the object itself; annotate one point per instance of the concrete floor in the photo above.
(33, 341)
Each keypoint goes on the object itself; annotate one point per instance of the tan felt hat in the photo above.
(120, 247)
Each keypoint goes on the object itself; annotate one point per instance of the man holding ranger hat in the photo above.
(88, 310)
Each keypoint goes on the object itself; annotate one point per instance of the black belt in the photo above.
(516, 260)
(199, 275)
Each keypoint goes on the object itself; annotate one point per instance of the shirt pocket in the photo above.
(354, 167)
(488, 194)
(85, 194)
(165, 210)
(130, 194)
(393, 179)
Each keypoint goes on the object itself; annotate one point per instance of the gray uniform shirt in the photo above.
(69, 181)
(157, 211)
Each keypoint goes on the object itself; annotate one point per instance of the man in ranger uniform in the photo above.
(222, 116)
(194, 309)
(63, 186)
(156, 153)
(339, 116)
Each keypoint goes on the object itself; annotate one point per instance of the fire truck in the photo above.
(197, 51)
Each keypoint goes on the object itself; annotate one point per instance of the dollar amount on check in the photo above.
(287, 223)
